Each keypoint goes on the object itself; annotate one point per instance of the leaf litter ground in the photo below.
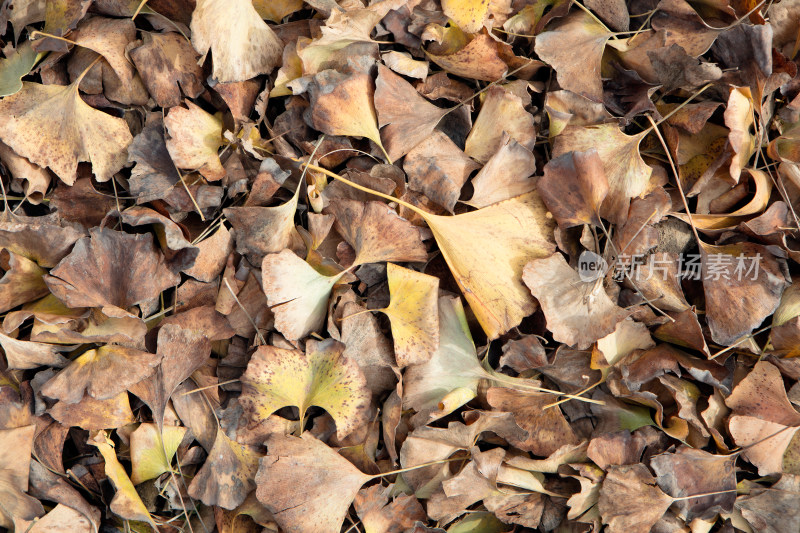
(402, 266)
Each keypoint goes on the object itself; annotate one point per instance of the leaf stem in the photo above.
(416, 467)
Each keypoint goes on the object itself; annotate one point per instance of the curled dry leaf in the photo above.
(321, 377)
(126, 503)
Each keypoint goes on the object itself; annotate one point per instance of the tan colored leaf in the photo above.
(103, 373)
(168, 65)
(475, 57)
(194, 140)
(110, 38)
(763, 420)
(630, 501)
(626, 171)
(321, 377)
(502, 113)
(691, 471)
(626, 337)
(53, 127)
(747, 274)
(547, 429)
(505, 175)
(62, 518)
(341, 104)
(739, 118)
(574, 47)
(406, 118)
(577, 312)
(21, 282)
(306, 485)
(379, 516)
(227, 476)
(403, 63)
(438, 168)
(91, 414)
(247, 47)
(26, 354)
(265, 230)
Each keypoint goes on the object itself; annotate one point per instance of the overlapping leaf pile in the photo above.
(322, 266)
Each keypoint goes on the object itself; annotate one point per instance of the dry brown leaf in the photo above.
(111, 270)
(578, 312)
(306, 485)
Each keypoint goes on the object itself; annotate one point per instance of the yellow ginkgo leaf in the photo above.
(468, 14)
(322, 377)
(247, 47)
(53, 127)
(413, 314)
(626, 171)
(297, 294)
(151, 453)
(194, 140)
(486, 251)
(126, 502)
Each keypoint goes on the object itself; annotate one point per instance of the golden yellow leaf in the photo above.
(413, 314)
(126, 502)
(53, 127)
(486, 251)
(151, 452)
(468, 14)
